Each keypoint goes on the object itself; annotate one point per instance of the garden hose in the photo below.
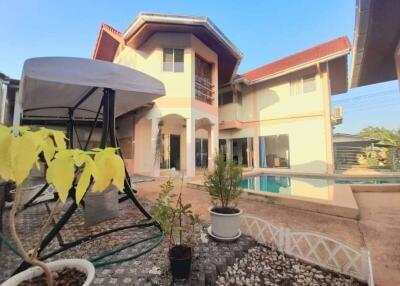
(10, 245)
(160, 237)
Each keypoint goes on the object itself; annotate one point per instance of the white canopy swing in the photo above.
(70, 90)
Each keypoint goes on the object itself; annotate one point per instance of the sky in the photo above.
(263, 30)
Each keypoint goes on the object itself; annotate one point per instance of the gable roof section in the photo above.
(107, 43)
(324, 52)
(146, 24)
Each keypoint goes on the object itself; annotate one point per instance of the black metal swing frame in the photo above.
(108, 139)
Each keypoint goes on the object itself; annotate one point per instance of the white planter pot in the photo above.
(79, 264)
(225, 226)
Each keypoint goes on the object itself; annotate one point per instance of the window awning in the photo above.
(50, 86)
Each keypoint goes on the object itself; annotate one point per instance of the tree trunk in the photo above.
(31, 260)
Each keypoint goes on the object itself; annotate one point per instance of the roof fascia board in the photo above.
(294, 69)
(360, 39)
(183, 20)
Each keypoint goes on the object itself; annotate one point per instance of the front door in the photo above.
(175, 151)
(201, 153)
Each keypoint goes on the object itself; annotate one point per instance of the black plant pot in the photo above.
(180, 258)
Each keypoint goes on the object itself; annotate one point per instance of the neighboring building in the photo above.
(8, 89)
(276, 116)
(349, 148)
(343, 139)
(376, 53)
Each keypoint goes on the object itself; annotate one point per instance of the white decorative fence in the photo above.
(312, 247)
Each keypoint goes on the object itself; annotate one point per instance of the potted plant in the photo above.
(223, 185)
(177, 221)
(20, 150)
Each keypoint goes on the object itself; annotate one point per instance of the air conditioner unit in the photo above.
(337, 117)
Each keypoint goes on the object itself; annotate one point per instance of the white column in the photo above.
(256, 152)
(155, 167)
(212, 145)
(324, 76)
(229, 151)
(190, 147)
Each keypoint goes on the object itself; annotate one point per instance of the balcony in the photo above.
(204, 90)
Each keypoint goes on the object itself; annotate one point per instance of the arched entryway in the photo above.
(206, 143)
(171, 138)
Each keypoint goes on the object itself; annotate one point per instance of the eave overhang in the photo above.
(376, 36)
(107, 43)
(147, 24)
(336, 60)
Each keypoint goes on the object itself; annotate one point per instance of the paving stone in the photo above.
(210, 258)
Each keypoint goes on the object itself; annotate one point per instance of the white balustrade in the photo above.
(312, 247)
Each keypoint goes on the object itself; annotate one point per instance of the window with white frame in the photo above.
(173, 60)
(303, 85)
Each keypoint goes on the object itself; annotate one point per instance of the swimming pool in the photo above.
(319, 188)
(368, 181)
(310, 187)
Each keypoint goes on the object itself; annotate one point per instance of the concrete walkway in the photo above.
(378, 229)
(340, 228)
(380, 226)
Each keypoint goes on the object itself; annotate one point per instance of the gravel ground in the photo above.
(263, 265)
(240, 262)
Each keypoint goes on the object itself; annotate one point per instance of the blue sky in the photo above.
(263, 30)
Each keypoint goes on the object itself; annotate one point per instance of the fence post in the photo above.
(287, 241)
(365, 265)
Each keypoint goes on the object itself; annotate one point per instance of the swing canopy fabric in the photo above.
(50, 86)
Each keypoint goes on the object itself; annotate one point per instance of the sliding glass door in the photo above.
(274, 151)
(242, 151)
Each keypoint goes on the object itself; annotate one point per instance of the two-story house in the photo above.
(276, 116)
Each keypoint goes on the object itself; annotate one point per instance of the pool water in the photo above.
(310, 187)
(373, 181)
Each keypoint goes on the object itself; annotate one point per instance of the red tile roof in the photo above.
(313, 54)
(109, 30)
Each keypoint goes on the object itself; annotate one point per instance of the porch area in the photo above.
(173, 142)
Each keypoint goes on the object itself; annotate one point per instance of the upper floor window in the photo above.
(305, 84)
(225, 98)
(204, 89)
(173, 60)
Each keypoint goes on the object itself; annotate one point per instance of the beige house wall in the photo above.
(265, 108)
(179, 101)
(268, 108)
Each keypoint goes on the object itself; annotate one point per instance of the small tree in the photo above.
(21, 149)
(171, 216)
(223, 183)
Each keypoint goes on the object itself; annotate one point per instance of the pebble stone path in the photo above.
(262, 265)
(242, 262)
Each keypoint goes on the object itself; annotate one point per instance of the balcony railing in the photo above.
(204, 90)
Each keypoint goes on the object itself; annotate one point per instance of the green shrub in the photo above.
(223, 183)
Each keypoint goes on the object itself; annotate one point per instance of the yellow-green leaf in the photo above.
(84, 181)
(119, 172)
(59, 138)
(5, 158)
(61, 174)
(23, 154)
(110, 169)
(48, 149)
